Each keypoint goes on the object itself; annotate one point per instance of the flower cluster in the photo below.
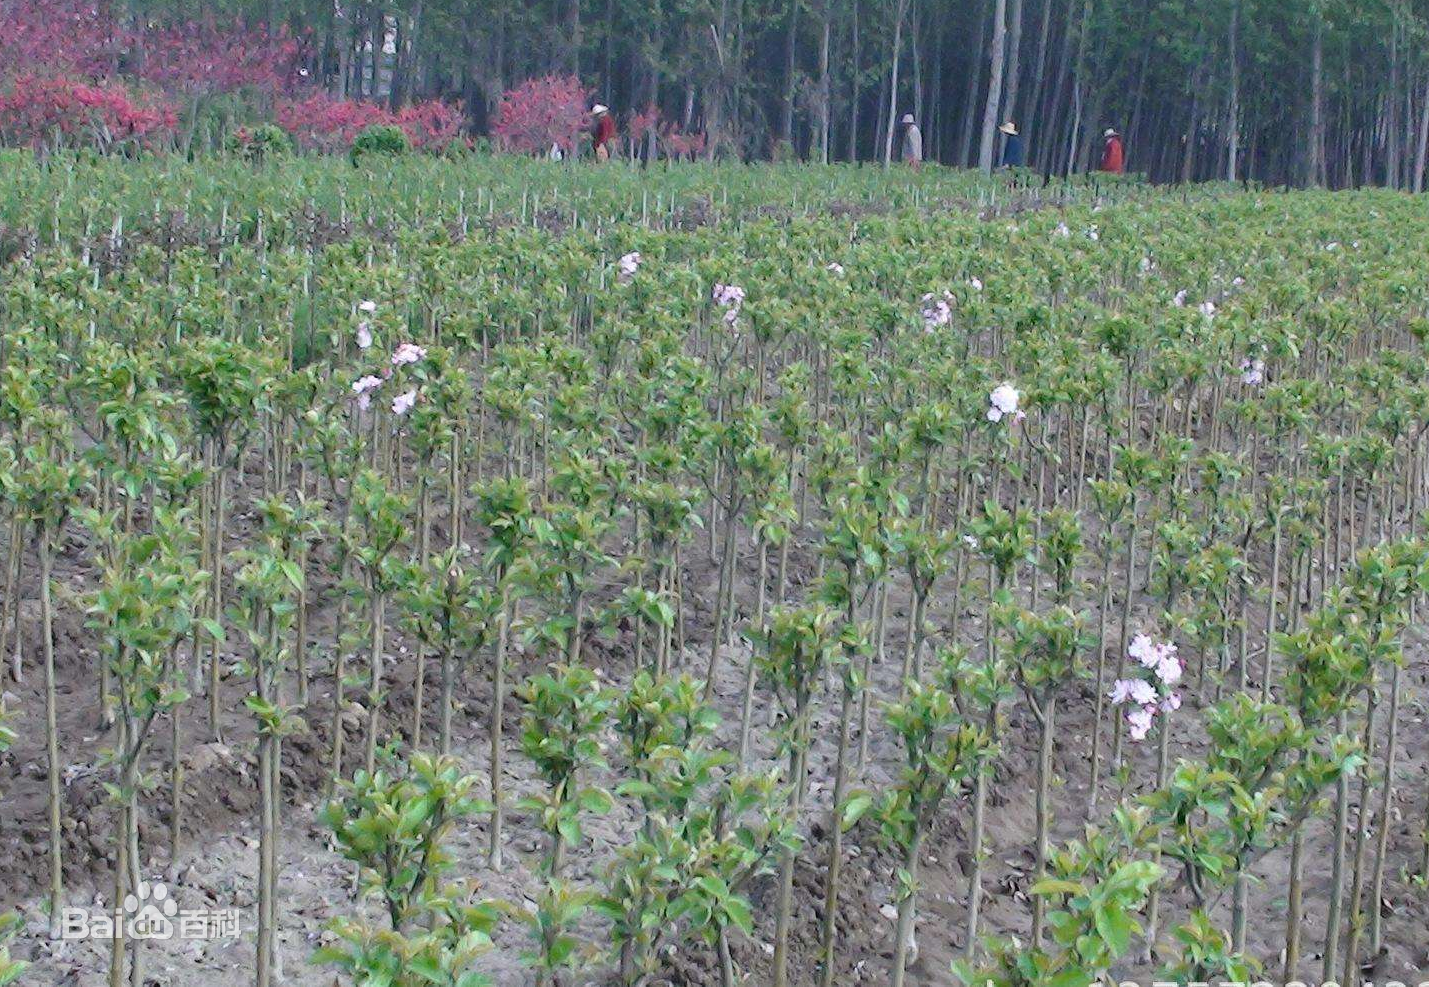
(729, 297)
(1252, 371)
(627, 266)
(408, 353)
(1151, 695)
(834, 267)
(937, 310)
(1003, 403)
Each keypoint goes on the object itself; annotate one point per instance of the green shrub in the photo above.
(379, 138)
(264, 140)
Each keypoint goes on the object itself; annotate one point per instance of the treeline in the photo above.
(1297, 91)
(1332, 92)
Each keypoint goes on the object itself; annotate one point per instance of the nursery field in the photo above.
(466, 571)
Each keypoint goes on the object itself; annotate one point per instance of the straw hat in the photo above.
(1008, 129)
(599, 108)
(1110, 132)
(907, 118)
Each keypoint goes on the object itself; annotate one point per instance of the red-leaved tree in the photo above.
(60, 112)
(319, 122)
(539, 113)
(430, 126)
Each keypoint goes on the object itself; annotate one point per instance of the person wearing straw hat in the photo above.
(1013, 154)
(602, 131)
(1113, 153)
(912, 146)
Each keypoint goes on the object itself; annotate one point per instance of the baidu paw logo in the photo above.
(149, 912)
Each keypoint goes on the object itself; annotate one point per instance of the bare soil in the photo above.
(218, 862)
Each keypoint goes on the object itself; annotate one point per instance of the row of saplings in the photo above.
(707, 826)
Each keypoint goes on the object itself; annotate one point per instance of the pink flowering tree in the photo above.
(540, 114)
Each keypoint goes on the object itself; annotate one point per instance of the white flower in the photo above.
(1144, 650)
(1252, 372)
(1238, 282)
(364, 335)
(408, 353)
(970, 542)
(1208, 309)
(367, 307)
(1093, 233)
(402, 403)
(1332, 246)
(1146, 265)
(1180, 300)
(1004, 400)
(1062, 231)
(834, 267)
(975, 284)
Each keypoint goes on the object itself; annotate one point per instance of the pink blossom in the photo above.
(1138, 691)
(362, 388)
(937, 310)
(1144, 650)
(628, 265)
(1168, 667)
(402, 403)
(1179, 300)
(1139, 722)
(728, 295)
(1252, 372)
(834, 267)
(1208, 309)
(1171, 703)
(364, 335)
(367, 307)
(408, 353)
(975, 284)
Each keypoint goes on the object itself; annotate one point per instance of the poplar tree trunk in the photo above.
(1014, 59)
(994, 86)
(1233, 111)
(893, 83)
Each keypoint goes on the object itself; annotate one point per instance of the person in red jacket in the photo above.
(1113, 153)
(602, 132)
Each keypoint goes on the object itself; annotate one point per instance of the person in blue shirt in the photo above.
(1013, 155)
